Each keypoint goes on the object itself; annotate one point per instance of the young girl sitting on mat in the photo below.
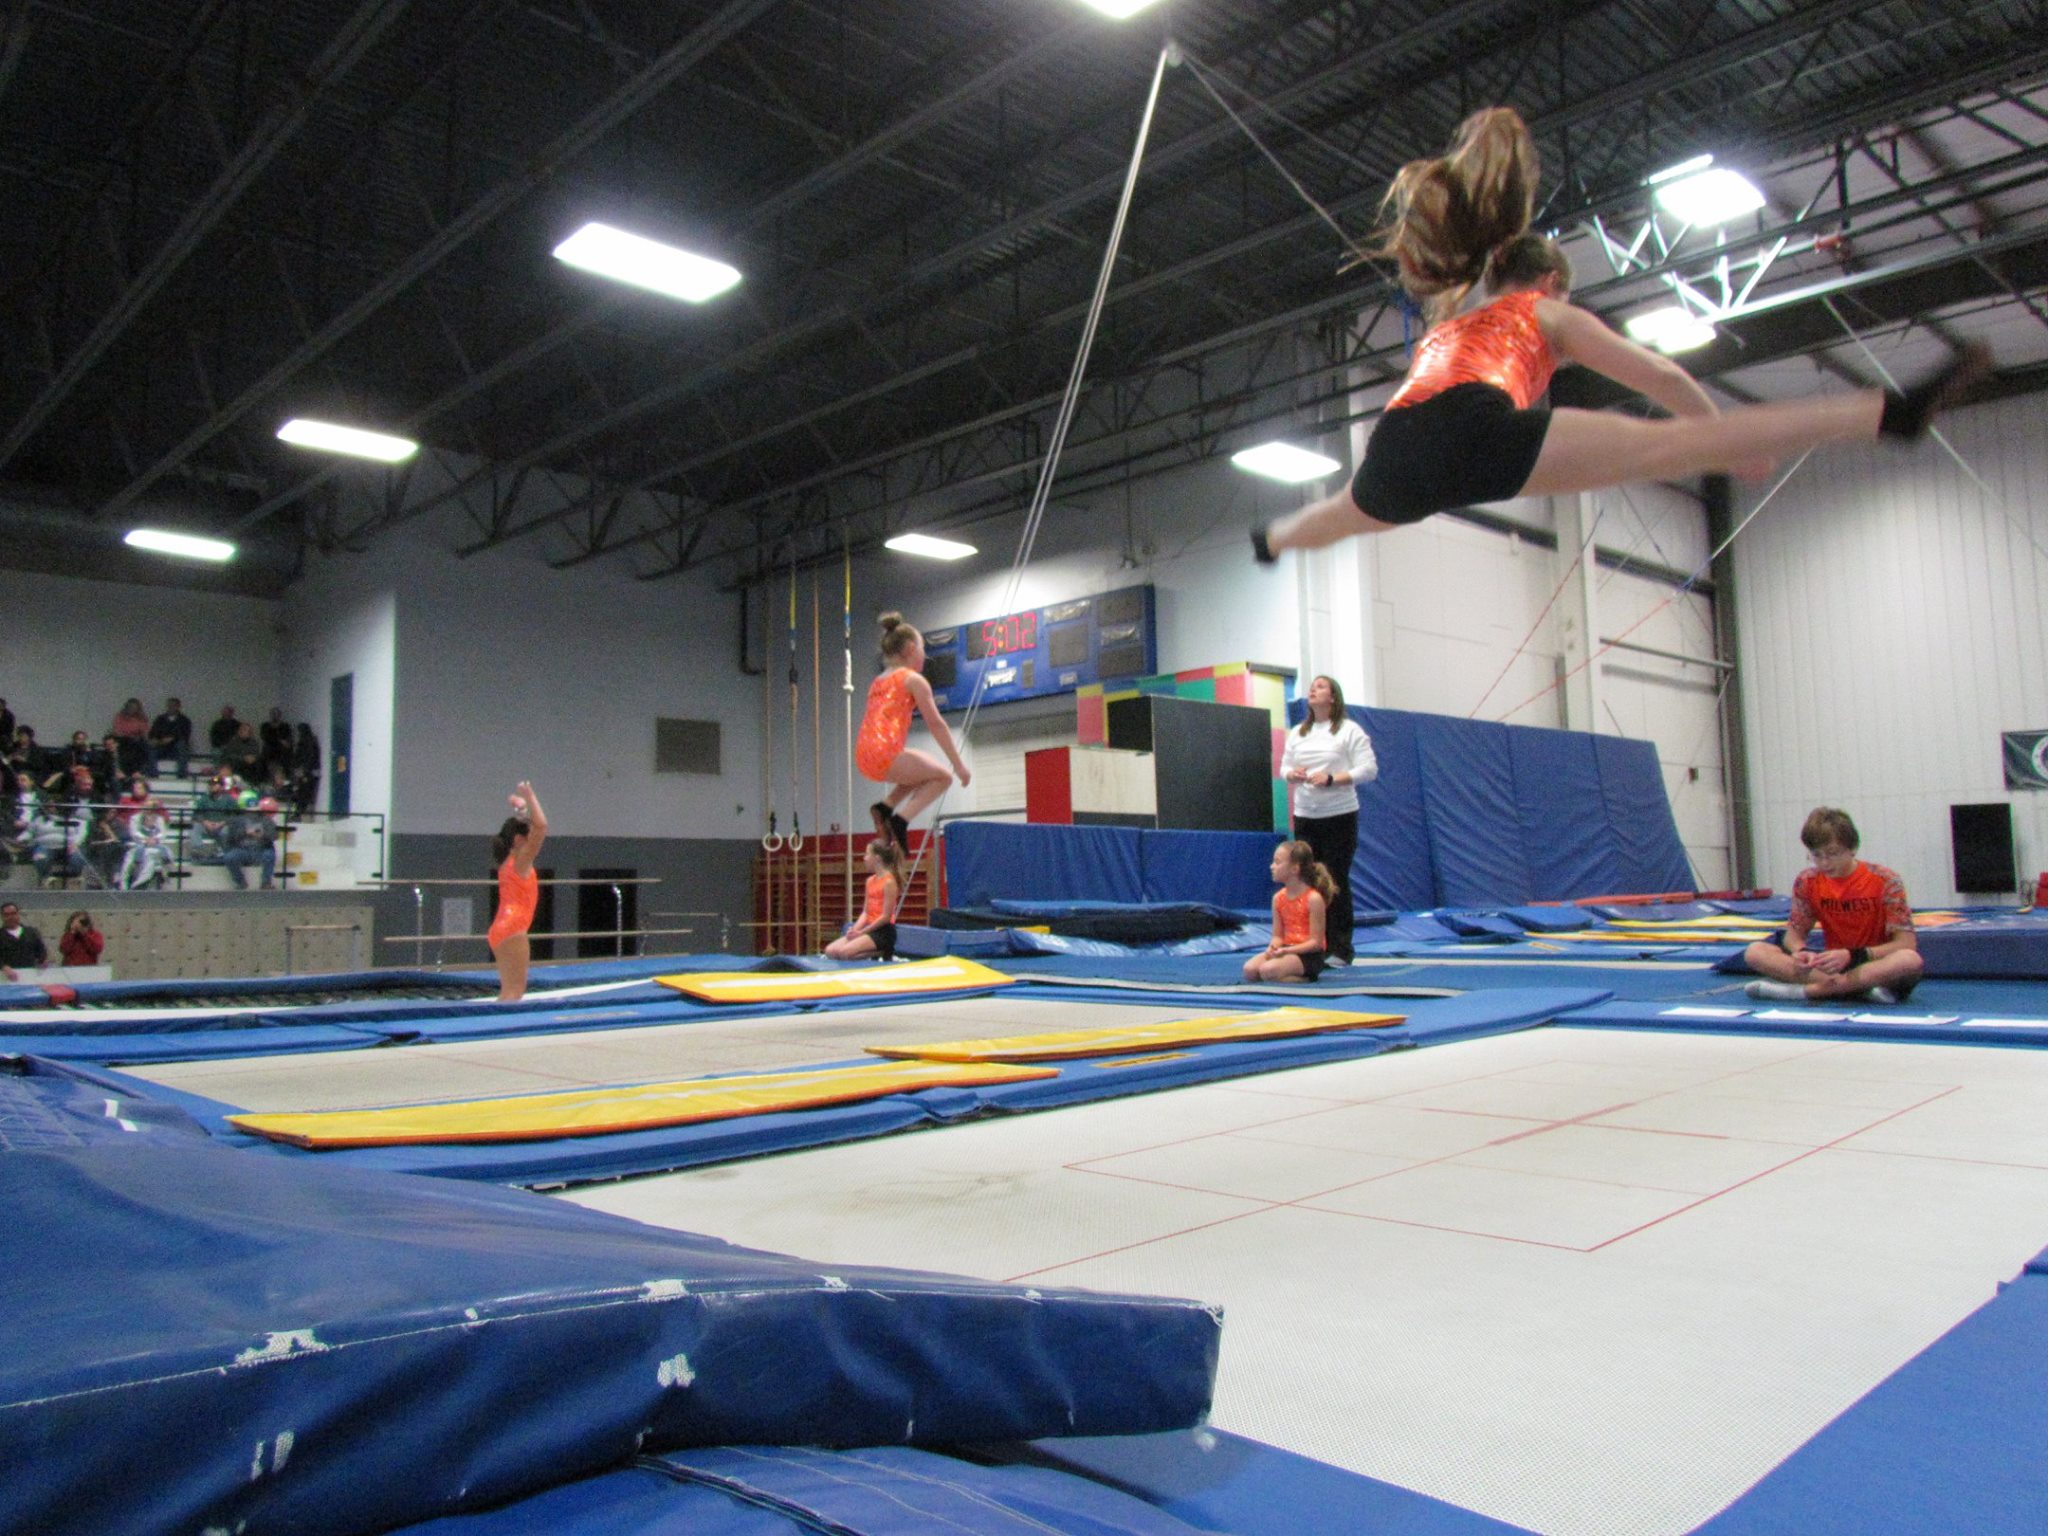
(513, 850)
(1300, 908)
(879, 751)
(1464, 426)
(874, 931)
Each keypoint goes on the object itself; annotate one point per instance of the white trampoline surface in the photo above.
(1583, 1281)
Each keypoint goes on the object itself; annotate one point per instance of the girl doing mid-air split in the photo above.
(874, 931)
(513, 850)
(1300, 908)
(879, 751)
(1464, 426)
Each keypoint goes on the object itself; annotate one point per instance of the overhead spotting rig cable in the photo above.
(1064, 419)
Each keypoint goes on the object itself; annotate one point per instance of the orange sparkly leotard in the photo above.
(1290, 914)
(1498, 344)
(879, 900)
(518, 895)
(886, 725)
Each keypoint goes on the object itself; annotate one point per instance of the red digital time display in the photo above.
(1004, 636)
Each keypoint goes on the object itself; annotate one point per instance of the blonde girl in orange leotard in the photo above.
(879, 752)
(1466, 425)
(874, 931)
(1300, 908)
(513, 850)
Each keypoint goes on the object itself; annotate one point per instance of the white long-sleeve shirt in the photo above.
(1345, 751)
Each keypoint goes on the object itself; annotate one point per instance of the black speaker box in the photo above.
(1981, 837)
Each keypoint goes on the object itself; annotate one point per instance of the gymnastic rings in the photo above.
(795, 841)
(770, 841)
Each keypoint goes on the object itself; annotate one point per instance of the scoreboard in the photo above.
(1041, 651)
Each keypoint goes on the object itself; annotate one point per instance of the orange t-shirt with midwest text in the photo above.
(1858, 911)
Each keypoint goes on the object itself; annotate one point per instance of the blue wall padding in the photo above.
(1392, 868)
(1639, 813)
(427, 1345)
(1954, 1441)
(990, 859)
(1223, 1482)
(1468, 793)
(1561, 815)
(1224, 869)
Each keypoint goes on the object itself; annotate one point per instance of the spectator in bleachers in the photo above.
(305, 769)
(212, 811)
(134, 796)
(81, 943)
(276, 736)
(107, 773)
(131, 730)
(148, 859)
(223, 729)
(21, 947)
(170, 735)
(105, 843)
(56, 837)
(6, 724)
(243, 753)
(251, 838)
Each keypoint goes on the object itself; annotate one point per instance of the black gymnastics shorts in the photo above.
(1466, 445)
(884, 935)
(1312, 964)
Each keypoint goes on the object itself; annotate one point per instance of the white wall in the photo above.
(337, 624)
(72, 649)
(1894, 622)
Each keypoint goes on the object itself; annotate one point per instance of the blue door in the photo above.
(341, 714)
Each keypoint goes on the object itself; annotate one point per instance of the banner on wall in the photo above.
(2026, 759)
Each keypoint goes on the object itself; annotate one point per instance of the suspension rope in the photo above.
(1062, 422)
(846, 687)
(796, 823)
(1555, 593)
(2004, 507)
(771, 840)
(1677, 592)
(1360, 253)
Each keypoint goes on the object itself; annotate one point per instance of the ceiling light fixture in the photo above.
(186, 546)
(1117, 9)
(931, 548)
(354, 441)
(1672, 329)
(1285, 462)
(1706, 198)
(645, 263)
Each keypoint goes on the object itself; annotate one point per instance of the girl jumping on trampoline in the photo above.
(879, 751)
(874, 931)
(1465, 427)
(513, 850)
(1300, 908)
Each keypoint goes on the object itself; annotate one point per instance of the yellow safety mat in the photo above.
(1273, 1024)
(1719, 920)
(638, 1107)
(946, 974)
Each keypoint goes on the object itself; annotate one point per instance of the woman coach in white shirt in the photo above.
(1327, 757)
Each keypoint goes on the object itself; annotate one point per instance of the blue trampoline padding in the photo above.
(1651, 1015)
(986, 860)
(1973, 950)
(199, 1045)
(1231, 869)
(199, 1339)
(1954, 1442)
(1224, 1482)
(44, 1105)
(1657, 911)
(917, 942)
(1561, 815)
(1639, 812)
(1550, 919)
(1773, 908)
(1470, 925)
(1468, 792)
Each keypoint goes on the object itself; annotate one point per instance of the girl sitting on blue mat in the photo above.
(874, 931)
(1300, 909)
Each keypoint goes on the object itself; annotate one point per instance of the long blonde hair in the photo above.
(1313, 874)
(1452, 214)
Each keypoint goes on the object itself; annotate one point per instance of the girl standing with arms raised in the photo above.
(879, 751)
(513, 850)
(1465, 427)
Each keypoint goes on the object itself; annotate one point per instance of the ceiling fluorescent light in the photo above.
(1671, 329)
(353, 441)
(1117, 9)
(187, 546)
(1683, 168)
(1284, 462)
(1709, 197)
(646, 263)
(931, 548)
